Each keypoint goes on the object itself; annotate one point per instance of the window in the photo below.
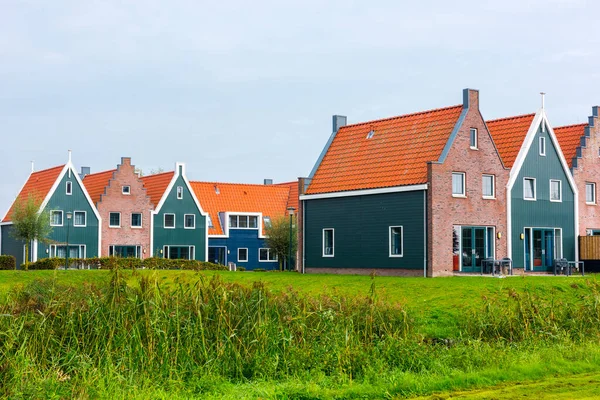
(555, 190)
(529, 188)
(370, 134)
(169, 221)
(125, 251)
(79, 218)
(114, 220)
(210, 223)
(473, 137)
(590, 193)
(242, 255)
(328, 243)
(267, 222)
(136, 220)
(180, 192)
(395, 241)
(69, 188)
(189, 221)
(126, 190)
(243, 221)
(266, 255)
(56, 218)
(458, 184)
(179, 252)
(60, 251)
(487, 183)
(542, 146)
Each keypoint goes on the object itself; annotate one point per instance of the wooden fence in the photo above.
(589, 248)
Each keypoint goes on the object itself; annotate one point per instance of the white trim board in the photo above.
(364, 192)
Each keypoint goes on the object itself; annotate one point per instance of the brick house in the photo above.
(410, 195)
(581, 146)
(126, 208)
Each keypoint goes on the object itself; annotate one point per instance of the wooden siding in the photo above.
(542, 213)
(589, 247)
(244, 238)
(361, 230)
(12, 246)
(180, 236)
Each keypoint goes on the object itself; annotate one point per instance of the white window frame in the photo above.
(180, 192)
(126, 192)
(593, 185)
(542, 146)
(141, 221)
(471, 131)
(52, 249)
(62, 221)
(191, 251)
(165, 221)
(247, 217)
(559, 200)
(238, 254)
(210, 223)
(69, 188)
(269, 252)
(332, 242)
(534, 198)
(464, 184)
(185, 221)
(401, 241)
(84, 218)
(114, 226)
(493, 196)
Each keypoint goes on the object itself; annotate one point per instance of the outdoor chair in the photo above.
(561, 266)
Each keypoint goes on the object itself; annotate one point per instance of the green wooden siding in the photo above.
(361, 230)
(12, 246)
(542, 213)
(77, 201)
(180, 236)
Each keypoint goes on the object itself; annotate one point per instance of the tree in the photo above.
(29, 223)
(278, 238)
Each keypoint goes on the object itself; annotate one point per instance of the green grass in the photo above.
(185, 334)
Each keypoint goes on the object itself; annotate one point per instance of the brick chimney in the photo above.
(471, 98)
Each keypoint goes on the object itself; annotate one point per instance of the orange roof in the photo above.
(509, 134)
(293, 196)
(156, 185)
(569, 138)
(38, 185)
(216, 197)
(395, 155)
(95, 184)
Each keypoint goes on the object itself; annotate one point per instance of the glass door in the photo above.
(473, 248)
(539, 249)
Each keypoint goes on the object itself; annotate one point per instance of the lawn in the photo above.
(459, 337)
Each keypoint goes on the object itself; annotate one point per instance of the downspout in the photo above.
(303, 235)
(425, 233)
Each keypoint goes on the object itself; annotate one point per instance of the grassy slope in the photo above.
(435, 302)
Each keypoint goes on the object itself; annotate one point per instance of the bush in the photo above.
(123, 263)
(8, 262)
(241, 269)
(46, 263)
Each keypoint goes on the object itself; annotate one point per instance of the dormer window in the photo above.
(126, 190)
(473, 138)
(69, 188)
(210, 223)
(180, 192)
(267, 222)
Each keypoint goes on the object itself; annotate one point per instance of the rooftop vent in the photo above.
(370, 134)
(217, 191)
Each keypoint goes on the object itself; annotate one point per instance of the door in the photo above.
(217, 255)
(539, 249)
(473, 248)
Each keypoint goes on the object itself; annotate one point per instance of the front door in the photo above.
(473, 248)
(216, 255)
(539, 249)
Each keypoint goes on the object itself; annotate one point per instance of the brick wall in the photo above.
(588, 170)
(113, 200)
(445, 211)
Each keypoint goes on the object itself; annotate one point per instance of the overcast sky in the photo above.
(244, 90)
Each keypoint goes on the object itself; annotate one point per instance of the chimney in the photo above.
(268, 181)
(125, 160)
(84, 171)
(471, 98)
(338, 122)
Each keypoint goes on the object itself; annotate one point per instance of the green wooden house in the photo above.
(73, 217)
(179, 225)
(541, 193)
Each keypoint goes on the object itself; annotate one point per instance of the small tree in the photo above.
(29, 223)
(278, 238)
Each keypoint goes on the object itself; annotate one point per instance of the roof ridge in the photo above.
(570, 126)
(513, 117)
(101, 172)
(403, 116)
(160, 173)
(48, 169)
(238, 184)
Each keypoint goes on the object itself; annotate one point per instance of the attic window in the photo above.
(267, 222)
(370, 134)
(126, 190)
(210, 224)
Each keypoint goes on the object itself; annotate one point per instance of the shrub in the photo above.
(241, 269)
(7, 262)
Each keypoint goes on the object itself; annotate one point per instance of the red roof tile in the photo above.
(38, 185)
(569, 138)
(95, 184)
(216, 197)
(293, 196)
(395, 155)
(509, 135)
(156, 185)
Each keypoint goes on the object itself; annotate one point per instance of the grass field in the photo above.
(384, 337)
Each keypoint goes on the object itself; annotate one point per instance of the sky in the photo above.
(241, 91)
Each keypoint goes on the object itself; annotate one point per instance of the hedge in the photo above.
(125, 263)
(8, 262)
